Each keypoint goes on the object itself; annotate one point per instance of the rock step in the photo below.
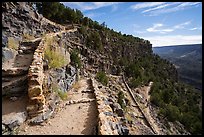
(41, 118)
(18, 71)
(6, 79)
(35, 113)
(83, 100)
(14, 86)
(15, 91)
(14, 83)
(34, 42)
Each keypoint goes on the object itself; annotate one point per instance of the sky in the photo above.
(162, 23)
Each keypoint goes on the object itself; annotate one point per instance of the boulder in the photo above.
(14, 120)
(8, 54)
(4, 41)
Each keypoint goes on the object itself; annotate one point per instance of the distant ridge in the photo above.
(177, 45)
(187, 58)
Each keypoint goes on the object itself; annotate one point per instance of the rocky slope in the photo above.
(50, 74)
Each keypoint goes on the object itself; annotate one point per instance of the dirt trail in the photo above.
(146, 90)
(143, 108)
(72, 119)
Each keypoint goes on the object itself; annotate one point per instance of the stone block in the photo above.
(35, 91)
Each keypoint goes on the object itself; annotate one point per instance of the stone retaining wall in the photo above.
(103, 127)
(109, 123)
(36, 104)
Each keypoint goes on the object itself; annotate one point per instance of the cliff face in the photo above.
(21, 22)
(19, 19)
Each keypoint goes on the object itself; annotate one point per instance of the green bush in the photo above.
(172, 113)
(55, 58)
(75, 59)
(135, 82)
(94, 41)
(61, 94)
(82, 30)
(101, 76)
(120, 99)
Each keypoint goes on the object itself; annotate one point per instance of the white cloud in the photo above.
(157, 27)
(178, 6)
(196, 28)
(193, 28)
(157, 41)
(186, 4)
(181, 26)
(156, 8)
(84, 6)
(159, 7)
(145, 5)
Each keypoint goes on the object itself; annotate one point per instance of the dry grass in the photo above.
(49, 41)
(54, 56)
(128, 117)
(12, 43)
(76, 85)
(63, 95)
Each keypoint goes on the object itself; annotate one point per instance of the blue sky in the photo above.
(162, 23)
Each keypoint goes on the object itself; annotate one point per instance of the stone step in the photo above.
(42, 117)
(35, 113)
(16, 88)
(83, 100)
(16, 85)
(32, 43)
(18, 71)
(6, 79)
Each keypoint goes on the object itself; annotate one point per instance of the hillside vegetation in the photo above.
(132, 56)
(188, 59)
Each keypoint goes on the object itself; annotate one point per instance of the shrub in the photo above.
(172, 113)
(49, 41)
(82, 30)
(55, 59)
(75, 59)
(101, 76)
(156, 98)
(94, 41)
(135, 82)
(12, 43)
(54, 56)
(61, 94)
(120, 99)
